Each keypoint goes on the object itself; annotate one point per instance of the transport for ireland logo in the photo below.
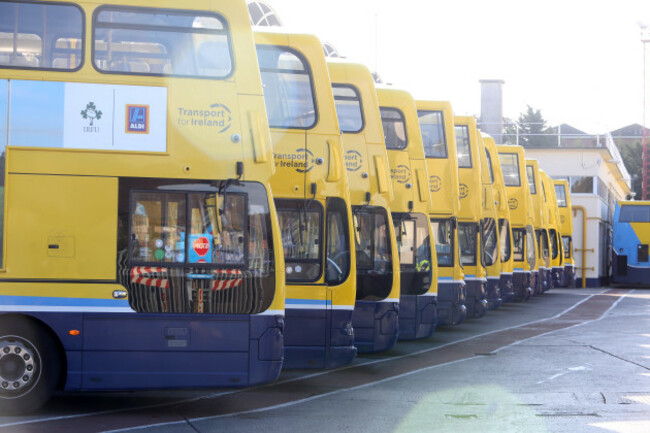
(91, 112)
(464, 190)
(435, 183)
(513, 203)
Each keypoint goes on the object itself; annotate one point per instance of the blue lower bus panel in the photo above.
(376, 325)
(451, 302)
(624, 273)
(569, 277)
(493, 294)
(418, 316)
(476, 301)
(318, 338)
(522, 285)
(506, 287)
(122, 351)
(558, 276)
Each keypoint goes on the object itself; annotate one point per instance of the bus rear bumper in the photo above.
(493, 295)
(506, 287)
(418, 316)
(476, 301)
(451, 302)
(375, 325)
(522, 282)
(318, 338)
(569, 277)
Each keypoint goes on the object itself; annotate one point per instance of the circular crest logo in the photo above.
(464, 190)
(353, 160)
(513, 203)
(435, 183)
(402, 174)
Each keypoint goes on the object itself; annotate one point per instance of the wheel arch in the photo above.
(37, 323)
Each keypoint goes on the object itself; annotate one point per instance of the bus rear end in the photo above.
(140, 239)
(631, 265)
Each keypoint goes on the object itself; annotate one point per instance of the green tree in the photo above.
(632, 157)
(532, 129)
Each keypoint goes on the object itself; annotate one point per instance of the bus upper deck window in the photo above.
(288, 88)
(510, 168)
(433, 133)
(462, 146)
(161, 42)
(348, 108)
(394, 125)
(531, 179)
(41, 36)
(560, 193)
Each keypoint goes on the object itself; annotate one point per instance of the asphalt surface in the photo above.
(568, 361)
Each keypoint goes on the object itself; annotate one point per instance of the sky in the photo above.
(579, 62)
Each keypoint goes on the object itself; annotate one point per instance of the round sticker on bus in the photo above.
(159, 254)
(201, 246)
(159, 243)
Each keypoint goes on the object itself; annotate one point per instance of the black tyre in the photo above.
(29, 366)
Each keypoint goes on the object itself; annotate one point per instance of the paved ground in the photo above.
(570, 361)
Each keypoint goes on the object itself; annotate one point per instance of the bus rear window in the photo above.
(634, 214)
(531, 179)
(433, 133)
(392, 120)
(463, 149)
(560, 193)
(197, 228)
(41, 36)
(348, 108)
(510, 168)
(288, 88)
(145, 41)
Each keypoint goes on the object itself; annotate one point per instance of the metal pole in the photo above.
(644, 150)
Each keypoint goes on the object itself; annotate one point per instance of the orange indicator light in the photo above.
(74, 332)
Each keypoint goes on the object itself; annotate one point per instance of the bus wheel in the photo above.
(29, 367)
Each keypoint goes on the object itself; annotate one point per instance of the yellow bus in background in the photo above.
(557, 267)
(566, 231)
(470, 215)
(140, 245)
(439, 140)
(540, 223)
(513, 167)
(410, 207)
(489, 239)
(312, 200)
(375, 317)
(503, 212)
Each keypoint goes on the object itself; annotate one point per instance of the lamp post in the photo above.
(645, 38)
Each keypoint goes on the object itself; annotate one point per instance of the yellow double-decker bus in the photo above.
(513, 166)
(566, 231)
(439, 140)
(470, 216)
(555, 243)
(140, 246)
(505, 231)
(312, 199)
(540, 223)
(489, 238)
(410, 208)
(375, 317)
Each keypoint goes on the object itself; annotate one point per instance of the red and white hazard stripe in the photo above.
(230, 278)
(143, 275)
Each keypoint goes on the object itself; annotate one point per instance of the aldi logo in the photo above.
(137, 119)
